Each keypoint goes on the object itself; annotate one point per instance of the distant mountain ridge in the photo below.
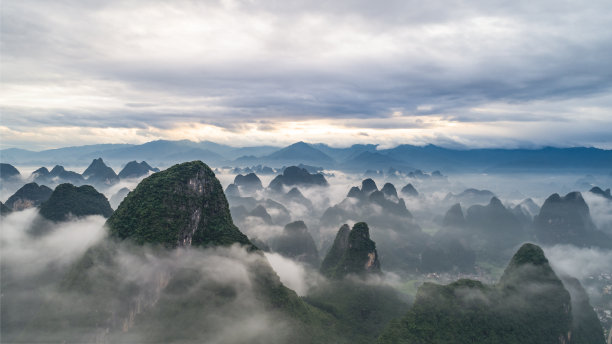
(356, 157)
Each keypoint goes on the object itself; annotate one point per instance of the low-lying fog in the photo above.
(32, 266)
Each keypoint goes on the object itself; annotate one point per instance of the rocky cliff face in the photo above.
(181, 206)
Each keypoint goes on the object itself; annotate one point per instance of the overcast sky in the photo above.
(517, 73)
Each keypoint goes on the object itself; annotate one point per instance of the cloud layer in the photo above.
(403, 72)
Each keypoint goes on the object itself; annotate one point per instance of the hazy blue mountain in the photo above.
(98, 173)
(157, 151)
(296, 243)
(28, 196)
(495, 224)
(368, 186)
(66, 155)
(429, 157)
(116, 199)
(58, 175)
(8, 171)
(598, 191)
(503, 160)
(454, 217)
(470, 196)
(294, 195)
(389, 190)
(248, 183)
(235, 153)
(293, 176)
(232, 191)
(409, 190)
(261, 212)
(299, 152)
(369, 160)
(395, 207)
(163, 151)
(343, 154)
(134, 169)
(567, 220)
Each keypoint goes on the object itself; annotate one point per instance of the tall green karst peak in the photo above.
(67, 200)
(528, 265)
(352, 253)
(336, 252)
(529, 305)
(181, 206)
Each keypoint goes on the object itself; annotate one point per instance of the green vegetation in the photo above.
(362, 310)
(528, 305)
(181, 206)
(354, 253)
(68, 199)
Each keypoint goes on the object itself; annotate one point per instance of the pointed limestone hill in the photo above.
(186, 300)
(567, 220)
(248, 183)
(261, 212)
(294, 195)
(368, 186)
(389, 190)
(300, 151)
(529, 305)
(134, 169)
(454, 217)
(599, 191)
(68, 200)
(336, 252)
(296, 243)
(232, 191)
(8, 171)
(495, 224)
(358, 256)
(183, 205)
(61, 175)
(409, 190)
(355, 192)
(41, 173)
(28, 196)
(389, 206)
(100, 174)
(293, 176)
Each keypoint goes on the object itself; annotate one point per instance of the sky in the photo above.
(453, 73)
